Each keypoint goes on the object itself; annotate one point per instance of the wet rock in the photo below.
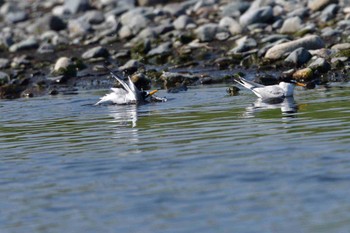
(11, 91)
(298, 57)
(65, 66)
(16, 17)
(29, 43)
(291, 25)
(171, 79)
(259, 15)
(4, 63)
(308, 42)
(233, 90)
(305, 75)
(141, 81)
(162, 49)
(75, 6)
(317, 5)
(320, 64)
(207, 32)
(182, 22)
(131, 66)
(4, 78)
(179, 87)
(265, 79)
(96, 52)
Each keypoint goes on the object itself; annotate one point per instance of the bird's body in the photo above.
(128, 94)
(281, 90)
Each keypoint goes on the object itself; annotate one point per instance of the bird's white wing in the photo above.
(248, 84)
(269, 92)
(117, 96)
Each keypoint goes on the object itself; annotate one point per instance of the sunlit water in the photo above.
(201, 162)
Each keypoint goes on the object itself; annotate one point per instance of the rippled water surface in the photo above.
(201, 162)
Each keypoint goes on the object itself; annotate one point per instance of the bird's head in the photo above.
(288, 80)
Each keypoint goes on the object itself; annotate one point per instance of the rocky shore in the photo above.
(59, 46)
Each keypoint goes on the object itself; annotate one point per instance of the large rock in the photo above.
(291, 25)
(316, 5)
(308, 42)
(64, 66)
(298, 57)
(259, 15)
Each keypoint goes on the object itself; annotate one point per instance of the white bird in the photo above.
(283, 89)
(128, 94)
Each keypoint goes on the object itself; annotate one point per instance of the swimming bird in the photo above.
(128, 94)
(284, 89)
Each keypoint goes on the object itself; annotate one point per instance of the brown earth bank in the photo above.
(57, 46)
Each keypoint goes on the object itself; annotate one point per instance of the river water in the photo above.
(201, 162)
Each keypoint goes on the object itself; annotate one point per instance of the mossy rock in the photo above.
(305, 75)
(343, 53)
(11, 91)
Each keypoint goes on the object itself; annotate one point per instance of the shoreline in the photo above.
(52, 47)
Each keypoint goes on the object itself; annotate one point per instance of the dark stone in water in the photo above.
(11, 91)
(233, 90)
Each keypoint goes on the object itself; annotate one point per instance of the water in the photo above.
(201, 162)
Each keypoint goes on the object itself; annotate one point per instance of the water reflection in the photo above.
(287, 105)
(124, 115)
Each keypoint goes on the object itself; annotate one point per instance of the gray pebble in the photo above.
(298, 57)
(95, 53)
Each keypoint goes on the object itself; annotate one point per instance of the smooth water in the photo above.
(201, 162)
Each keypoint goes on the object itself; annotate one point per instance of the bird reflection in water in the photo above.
(125, 115)
(287, 105)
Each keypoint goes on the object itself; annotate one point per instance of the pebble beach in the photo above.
(60, 46)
